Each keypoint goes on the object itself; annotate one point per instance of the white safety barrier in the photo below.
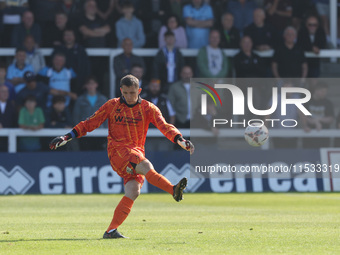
(14, 133)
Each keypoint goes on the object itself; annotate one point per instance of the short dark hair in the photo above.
(321, 85)
(137, 65)
(127, 4)
(169, 33)
(60, 54)
(91, 78)
(31, 98)
(57, 99)
(129, 81)
(20, 49)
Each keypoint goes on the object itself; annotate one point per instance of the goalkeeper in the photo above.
(129, 117)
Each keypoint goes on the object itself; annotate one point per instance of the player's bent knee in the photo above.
(132, 189)
(144, 167)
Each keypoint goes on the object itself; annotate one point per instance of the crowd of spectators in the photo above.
(63, 90)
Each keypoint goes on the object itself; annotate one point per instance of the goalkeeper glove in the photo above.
(60, 141)
(186, 145)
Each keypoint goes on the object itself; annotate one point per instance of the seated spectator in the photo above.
(250, 65)
(59, 79)
(337, 126)
(7, 114)
(106, 8)
(199, 18)
(301, 9)
(312, 38)
(211, 60)
(155, 96)
(322, 117)
(130, 27)
(279, 14)
(205, 122)
(54, 36)
(247, 63)
(44, 11)
(179, 96)
(15, 71)
(262, 34)
(230, 36)
(322, 7)
(92, 28)
(168, 62)
(76, 58)
(84, 107)
(243, 13)
(289, 60)
(59, 115)
(153, 14)
(11, 11)
(27, 27)
(71, 8)
(31, 117)
(123, 63)
(172, 24)
(33, 88)
(138, 71)
(292, 112)
(4, 81)
(33, 55)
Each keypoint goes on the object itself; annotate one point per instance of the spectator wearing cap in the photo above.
(27, 27)
(130, 27)
(33, 55)
(15, 71)
(199, 18)
(33, 88)
(6, 82)
(59, 79)
(76, 58)
(168, 62)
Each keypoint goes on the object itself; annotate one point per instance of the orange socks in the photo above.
(122, 211)
(159, 181)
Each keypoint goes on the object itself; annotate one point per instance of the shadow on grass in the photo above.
(49, 239)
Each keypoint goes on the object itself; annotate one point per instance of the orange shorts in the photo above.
(124, 160)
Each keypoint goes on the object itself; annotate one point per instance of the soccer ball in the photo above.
(256, 135)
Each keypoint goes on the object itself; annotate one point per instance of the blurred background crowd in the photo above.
(60, 90)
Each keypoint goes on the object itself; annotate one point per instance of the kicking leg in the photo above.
(146, 168)
(132, 191)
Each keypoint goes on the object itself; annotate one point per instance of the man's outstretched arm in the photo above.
(83, 127)
(170, 131)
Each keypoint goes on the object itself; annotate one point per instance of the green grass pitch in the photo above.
(201, 224)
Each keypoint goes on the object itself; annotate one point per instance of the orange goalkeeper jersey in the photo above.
(128, 125)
